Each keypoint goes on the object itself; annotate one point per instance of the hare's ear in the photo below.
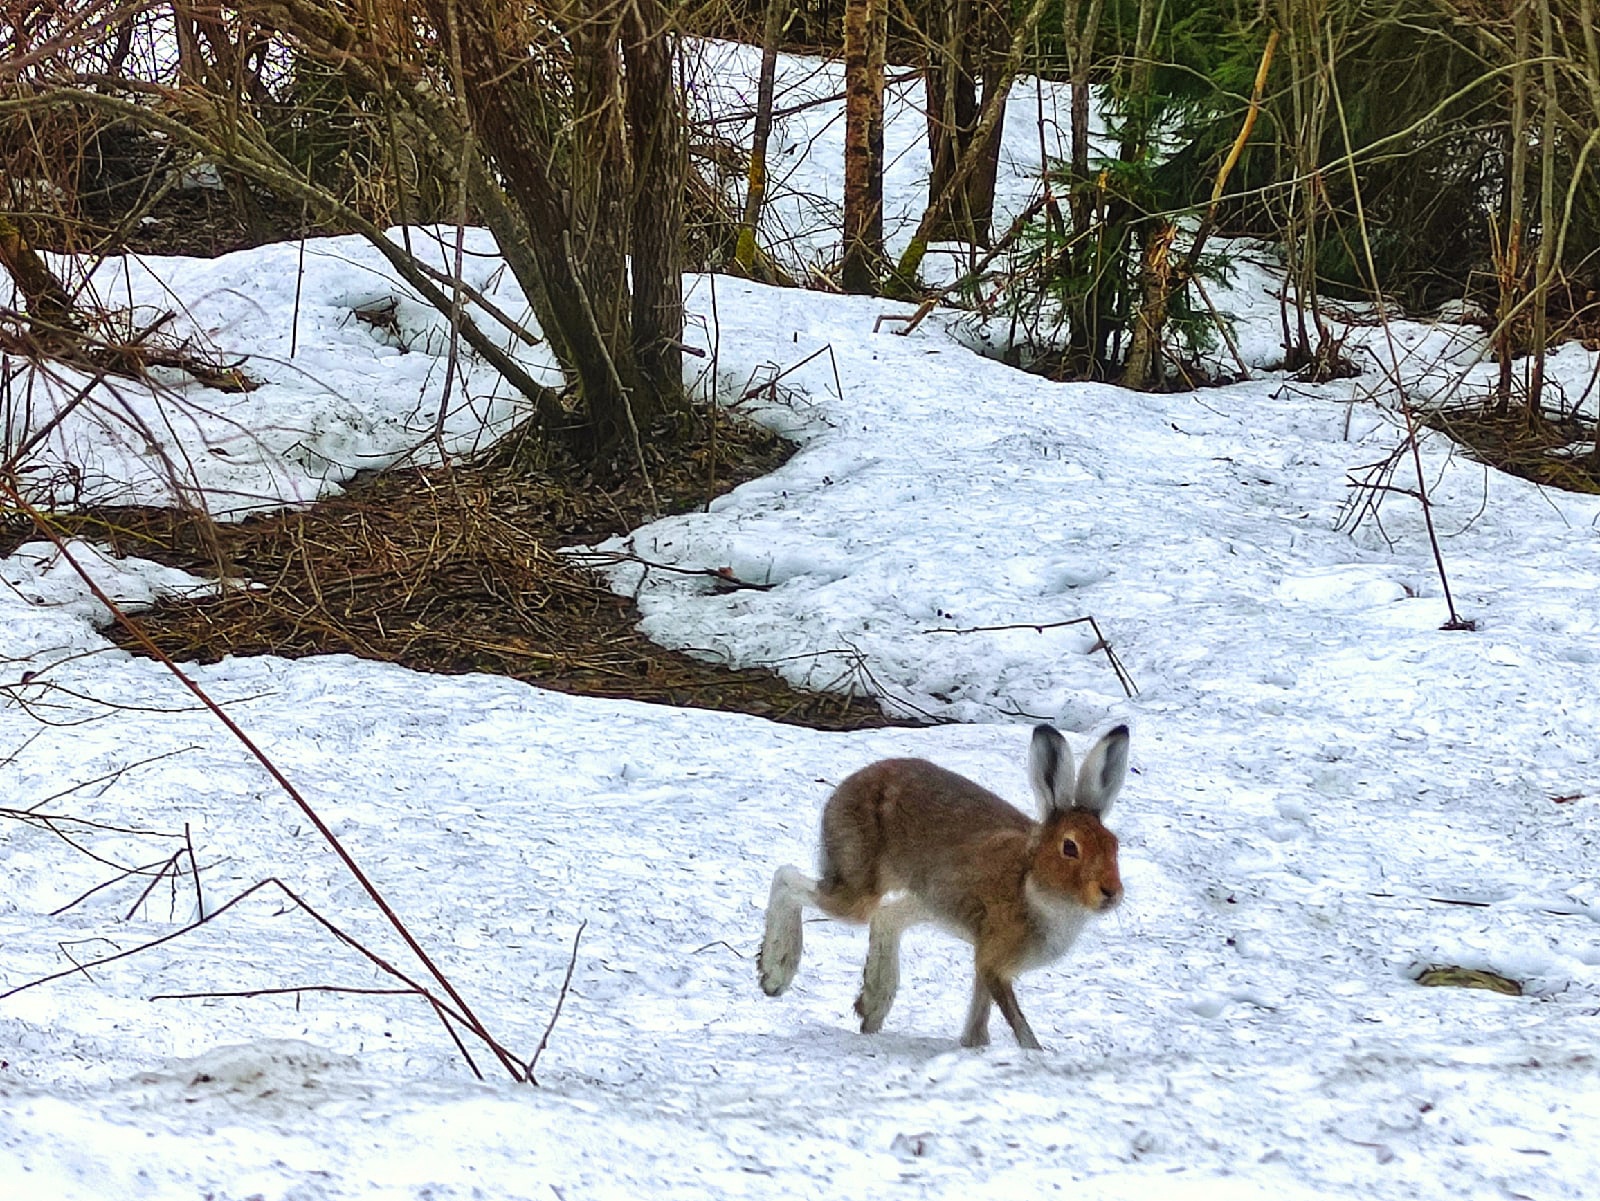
(1104, 768)
(1050, 771)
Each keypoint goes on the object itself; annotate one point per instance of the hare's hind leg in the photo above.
(792, 891)
(881, 978)
(781, 945)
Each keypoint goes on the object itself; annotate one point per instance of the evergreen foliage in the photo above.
(1404, 105)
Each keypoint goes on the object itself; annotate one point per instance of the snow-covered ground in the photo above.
(350, 365)
(1329, 794)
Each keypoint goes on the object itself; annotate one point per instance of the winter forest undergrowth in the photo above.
(1358, 664)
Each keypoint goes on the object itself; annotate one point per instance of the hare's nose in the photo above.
(1110, 898)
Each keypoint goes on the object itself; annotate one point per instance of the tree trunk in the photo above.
(1308, 95)
(1591, 75)
(48, 303)
(1145, 370)
(1079, 30)
(1136, 132)
(597, 240)
(1545, 268)
(966, 43)
(865, 31)
(993, 108)
(956, 37)
(756, 188)
(579, 217)
(208, 60)
(1079, 34)
(1312, 66)
(434, 129)
(660, 165)
(976, 198)
(1142, 367)
(1208, 222)
(1509, 268)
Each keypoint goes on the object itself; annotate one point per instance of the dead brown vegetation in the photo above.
(1536, 445)
(459, 571)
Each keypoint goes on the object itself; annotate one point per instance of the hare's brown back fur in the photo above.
(903, 823)
(954, 853)
(960, 849)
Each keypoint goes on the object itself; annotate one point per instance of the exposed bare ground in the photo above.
(457, 571)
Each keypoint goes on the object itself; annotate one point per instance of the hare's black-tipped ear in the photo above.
(1104, 769)
(1050, 771)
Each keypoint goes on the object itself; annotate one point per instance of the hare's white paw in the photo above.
(878, 987)
(782, 943)
(881, 978)
(873, 1008)
(780, 952)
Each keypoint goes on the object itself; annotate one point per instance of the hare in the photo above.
(957, 855)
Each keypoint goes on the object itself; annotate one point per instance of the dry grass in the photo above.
(1525, 443)
(458, 571)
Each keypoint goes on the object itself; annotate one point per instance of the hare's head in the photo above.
(1076, 856)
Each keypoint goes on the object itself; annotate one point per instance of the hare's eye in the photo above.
(1069, 848)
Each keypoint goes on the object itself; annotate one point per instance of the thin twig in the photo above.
(723, 575)
(512, 326)
(1455, 620)
(1101, 644)
(124, 954)
(137, 632)
(910, 75)
(719, 943)
(1221, 326)
(246, 993)
(757, 389)
(561, 999)
(447, 1015)
(171, 865)
(117, 879)
(194, 867)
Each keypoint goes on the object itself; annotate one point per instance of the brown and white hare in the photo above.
(955, 854)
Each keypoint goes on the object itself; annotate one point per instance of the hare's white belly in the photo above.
(920, 912)
(1057, 922)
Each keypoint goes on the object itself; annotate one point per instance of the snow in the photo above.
(337, 395)
(1329, 794)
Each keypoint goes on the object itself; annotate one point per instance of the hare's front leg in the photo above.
(782, 944)
(976, 1032)
(881, 978)
(1005, 997)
